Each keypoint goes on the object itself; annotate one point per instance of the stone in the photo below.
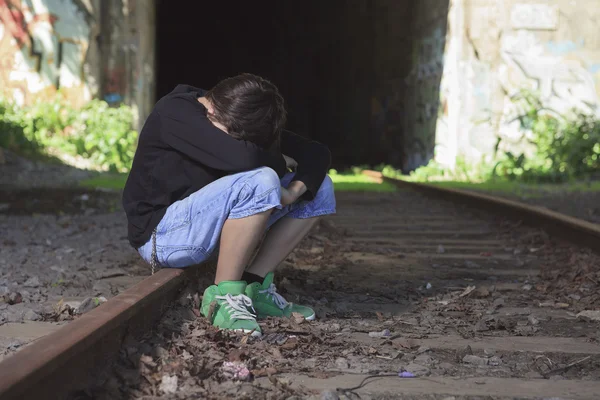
(342, 363)
(329, 395)
(494, 361)
(31, 315)
(533, 320)
(499, 302)
(14, 298)
(423, 359)
(16, 316)
(417, 369)
(489, 352)
(334, 328)
(461, 353)
(89, 304)
(475, 360)
(589, 315)
(533, 375)
(32, 282)
(446, 366)
(423, 349)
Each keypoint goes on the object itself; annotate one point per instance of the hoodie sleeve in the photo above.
(185, 127)
(314, 160)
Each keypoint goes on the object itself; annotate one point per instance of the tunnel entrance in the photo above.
(337, 63)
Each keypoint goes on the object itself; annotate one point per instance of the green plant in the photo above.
(561, 147)
(105, 135)
(97, 132)
(12, 131)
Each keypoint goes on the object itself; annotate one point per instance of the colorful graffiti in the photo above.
(490, 58)
(423, 85)
(43, 48)
(555, 70)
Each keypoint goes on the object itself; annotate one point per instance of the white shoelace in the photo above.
(238, 306)
(277, 298)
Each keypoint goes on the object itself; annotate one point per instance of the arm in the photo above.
(186, 129)
(313, 161)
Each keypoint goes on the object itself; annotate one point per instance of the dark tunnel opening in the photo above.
(331, 60)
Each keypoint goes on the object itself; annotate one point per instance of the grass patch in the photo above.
(355, 182)
(350, 182)
(106, 181)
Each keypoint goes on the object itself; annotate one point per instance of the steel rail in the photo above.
(69, 358)
(571, 229)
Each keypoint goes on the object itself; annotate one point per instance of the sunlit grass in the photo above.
(106, 181)
(356, 182)
(344, 182)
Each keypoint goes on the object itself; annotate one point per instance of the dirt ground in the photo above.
(400, 283)
(462, 305)
(62, 252)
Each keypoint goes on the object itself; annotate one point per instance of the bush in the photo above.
(97, 132)
(12, 132)
(105, 135)
(563, 146)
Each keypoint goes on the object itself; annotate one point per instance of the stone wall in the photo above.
(82, 48)
(421, 95)
(497, 47)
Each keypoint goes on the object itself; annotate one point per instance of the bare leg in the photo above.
(239, 238)
(279, 243)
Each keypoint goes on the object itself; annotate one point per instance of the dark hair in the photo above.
(250, 107)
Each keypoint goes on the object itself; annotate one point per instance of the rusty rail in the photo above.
(93, 340)
(574, 230)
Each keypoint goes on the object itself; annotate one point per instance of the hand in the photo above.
(290, 162)
(292, 193)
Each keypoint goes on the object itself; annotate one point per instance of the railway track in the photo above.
(462, 302)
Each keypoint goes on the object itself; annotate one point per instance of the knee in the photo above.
(265, 179)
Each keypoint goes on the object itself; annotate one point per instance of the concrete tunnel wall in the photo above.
(377, 80)
(337, 67)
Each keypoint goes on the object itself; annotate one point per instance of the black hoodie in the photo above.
(180, 151)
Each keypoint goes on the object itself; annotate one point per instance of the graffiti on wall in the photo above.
(43, 48)
(554, 69)
(423, 84)
(498, 59)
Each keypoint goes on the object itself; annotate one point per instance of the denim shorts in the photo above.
(190, 231)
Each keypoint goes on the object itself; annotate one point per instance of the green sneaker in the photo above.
(232, 310)
(269, 303)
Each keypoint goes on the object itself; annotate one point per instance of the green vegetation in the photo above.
(97, 132)
(106, 181)
(348, 181)
(564, 147)
(556, 148)
(356, 182)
